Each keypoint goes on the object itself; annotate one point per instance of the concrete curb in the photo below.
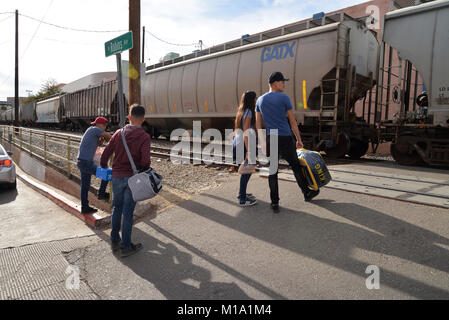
(93, 220)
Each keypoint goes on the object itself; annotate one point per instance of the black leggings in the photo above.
(286, 150)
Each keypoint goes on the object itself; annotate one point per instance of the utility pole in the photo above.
(143, 45)
(134, 53)
(16, 81)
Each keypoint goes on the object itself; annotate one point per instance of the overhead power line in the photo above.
(64, 41)
(100, 31)
(35, 32)
(9, 40)
(9, 17)
(170, 43)
(71, 29)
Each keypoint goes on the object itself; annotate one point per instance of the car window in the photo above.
(2, 151)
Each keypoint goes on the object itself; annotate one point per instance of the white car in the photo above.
(7, 169)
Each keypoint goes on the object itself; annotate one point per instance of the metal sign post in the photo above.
(121, 103)
(117, 46)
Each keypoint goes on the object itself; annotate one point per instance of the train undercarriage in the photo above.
(415, 146)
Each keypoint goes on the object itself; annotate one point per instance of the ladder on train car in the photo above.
(328, 125)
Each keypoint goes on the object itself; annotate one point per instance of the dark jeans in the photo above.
(286, 150)
(124, 205)
(87, 169)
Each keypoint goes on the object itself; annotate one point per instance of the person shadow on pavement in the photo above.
(400, 238)
(333, 242)
(174, 274)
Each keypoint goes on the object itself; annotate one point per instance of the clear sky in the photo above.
(49, 52)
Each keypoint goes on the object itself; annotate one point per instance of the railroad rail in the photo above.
(410, 189)
(428, 192)
(59, 151)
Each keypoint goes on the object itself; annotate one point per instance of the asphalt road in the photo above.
(210, 248)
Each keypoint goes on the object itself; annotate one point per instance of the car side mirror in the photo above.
(10, 153)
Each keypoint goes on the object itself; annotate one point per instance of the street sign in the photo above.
(119, 44)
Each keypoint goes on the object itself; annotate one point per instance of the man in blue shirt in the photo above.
(276, 111)
(92, 138)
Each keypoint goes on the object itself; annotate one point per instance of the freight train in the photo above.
(334, 63)
(420, 36)
(331, 63)
(70, 111)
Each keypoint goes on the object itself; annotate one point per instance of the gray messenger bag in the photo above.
(144, 185)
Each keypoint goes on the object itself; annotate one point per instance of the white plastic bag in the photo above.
(97, 156)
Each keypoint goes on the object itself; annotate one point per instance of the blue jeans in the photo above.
(123, 205)
(244, 178)
(87, 169)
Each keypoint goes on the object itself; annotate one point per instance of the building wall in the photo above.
(89, 80)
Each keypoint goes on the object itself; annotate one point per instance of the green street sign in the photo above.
(119, 44)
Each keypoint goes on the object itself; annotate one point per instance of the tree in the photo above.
(48, 88)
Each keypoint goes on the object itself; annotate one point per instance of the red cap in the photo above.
(100, 120)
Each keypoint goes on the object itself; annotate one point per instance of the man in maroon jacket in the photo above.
(139, 143)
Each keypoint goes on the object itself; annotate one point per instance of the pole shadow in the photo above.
(173, 273)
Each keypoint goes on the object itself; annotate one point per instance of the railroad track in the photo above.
(164, 152)
(430, 192)
(60, 137)
(49, 134)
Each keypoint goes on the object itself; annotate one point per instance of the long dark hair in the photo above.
(248, 101)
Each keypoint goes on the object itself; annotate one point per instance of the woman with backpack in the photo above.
(244, 122)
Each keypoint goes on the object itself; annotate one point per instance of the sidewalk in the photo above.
(68, 202)
(100, 219)
(34, 234)
(210, 248)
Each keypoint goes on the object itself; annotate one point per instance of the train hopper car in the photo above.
(6, 114)
(27, 113)
(331, 63)
(49, 112)
(420, 36)
(83, 106)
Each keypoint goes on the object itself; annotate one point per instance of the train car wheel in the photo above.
(340, 148)
(403, 153)
(357, 148)
(154, 133)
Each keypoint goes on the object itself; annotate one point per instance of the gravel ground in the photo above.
(378, 157)
(189, 178)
